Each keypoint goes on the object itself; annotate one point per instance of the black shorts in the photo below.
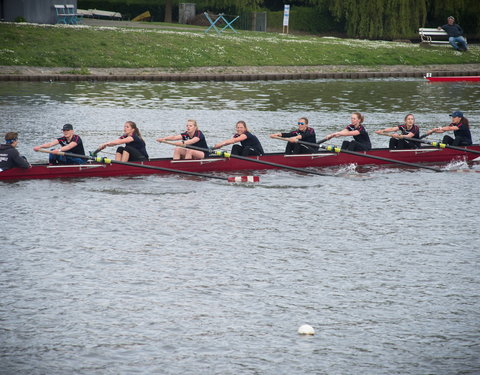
(135, 154)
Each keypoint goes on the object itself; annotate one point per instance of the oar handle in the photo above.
(185, 146)
(61, 153)
(300, 141)
(322, 141)
(170, 143)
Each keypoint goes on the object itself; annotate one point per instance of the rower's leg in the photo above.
(447, 140)
(125, 156)
(178, 153)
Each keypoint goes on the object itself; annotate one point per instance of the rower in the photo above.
(191, 137)
(9, 155)
(461, 130)
(303, 133)
(70, 142)
(407, 130)
(134, 149)
(249, 143)
(361, 140)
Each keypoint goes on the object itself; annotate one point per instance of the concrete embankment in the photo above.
(17, 73)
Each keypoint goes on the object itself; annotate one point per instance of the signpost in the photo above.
(286, 14)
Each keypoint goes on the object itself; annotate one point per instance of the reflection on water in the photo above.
(176, 275)
(373, 95)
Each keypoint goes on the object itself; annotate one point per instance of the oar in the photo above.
(443, 145)
(252, 160)
(338, 150)
(99, 159)
(322, 141)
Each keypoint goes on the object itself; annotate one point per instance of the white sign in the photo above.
(286, 13)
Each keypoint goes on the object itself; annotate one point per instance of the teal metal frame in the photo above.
(219, 18)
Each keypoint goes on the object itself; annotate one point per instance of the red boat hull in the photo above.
(453, 79)
(428, 155)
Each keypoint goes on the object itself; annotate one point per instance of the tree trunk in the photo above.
(168, 11)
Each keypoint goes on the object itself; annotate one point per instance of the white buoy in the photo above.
(306, 330)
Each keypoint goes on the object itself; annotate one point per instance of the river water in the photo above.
(182, 275)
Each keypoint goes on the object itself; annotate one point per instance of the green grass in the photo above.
(97, 47)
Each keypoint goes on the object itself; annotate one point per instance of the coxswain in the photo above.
(249, 143)
(461, 131)
(134, 149)
(191, 137)
(69, 142)
(361, 140)
(9, 155)
(304, 133)
(400, 141)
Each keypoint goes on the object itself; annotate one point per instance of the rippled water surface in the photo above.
(177, 275)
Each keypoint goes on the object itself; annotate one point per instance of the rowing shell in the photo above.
(428, 155)
(453, 78)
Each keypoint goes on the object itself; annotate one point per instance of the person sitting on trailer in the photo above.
(407, 130)
(9, 155)
(134, 149)
(361, 140)
(70, 142)
(249, 143)
(191, 137)
(461, 130)
(303, 133)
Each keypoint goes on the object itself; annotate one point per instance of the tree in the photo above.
(377, 18)
(168, 11)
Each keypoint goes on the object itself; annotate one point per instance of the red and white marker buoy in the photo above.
(244, 179)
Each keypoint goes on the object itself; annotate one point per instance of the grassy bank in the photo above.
(105, 47)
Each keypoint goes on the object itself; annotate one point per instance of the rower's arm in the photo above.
(170, 138)
(191, 141)
(387, 130)
(47, 145)
(231, 141)
(68, 147)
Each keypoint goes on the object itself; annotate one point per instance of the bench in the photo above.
(427, 36)
(75, 17)
(66, 14)
(61, 13)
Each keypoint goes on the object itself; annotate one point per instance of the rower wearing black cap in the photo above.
(461, 131)
(70, 142)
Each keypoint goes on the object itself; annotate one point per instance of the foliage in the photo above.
(378, 18)
(303, 19)
(466, 13)
(374, 19)
(106, 47)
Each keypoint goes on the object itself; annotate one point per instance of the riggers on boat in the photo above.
(424, 155)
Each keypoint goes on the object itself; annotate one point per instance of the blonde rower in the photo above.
(191, 137)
